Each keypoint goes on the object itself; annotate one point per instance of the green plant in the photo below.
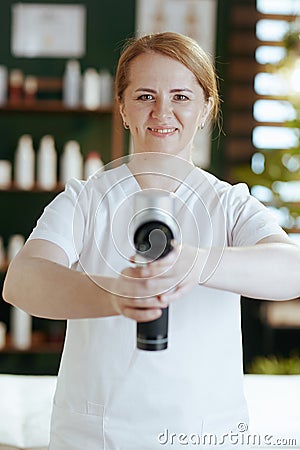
(276, 365)
(279, 169)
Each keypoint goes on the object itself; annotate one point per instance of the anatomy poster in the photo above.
(195, 18)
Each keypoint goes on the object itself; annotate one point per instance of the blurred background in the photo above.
(57, 63)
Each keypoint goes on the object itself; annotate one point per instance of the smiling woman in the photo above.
(163, 105)
(109, 393)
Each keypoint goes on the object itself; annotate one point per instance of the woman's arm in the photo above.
(39, 282)
(268, 270)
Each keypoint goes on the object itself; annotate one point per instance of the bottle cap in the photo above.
(47, 141)
(93, 155)
(16, 78)
(25, 141)
(72, 146)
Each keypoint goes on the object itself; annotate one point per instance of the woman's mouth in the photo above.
(162, 131)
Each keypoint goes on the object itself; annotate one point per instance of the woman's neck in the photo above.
(157, 170)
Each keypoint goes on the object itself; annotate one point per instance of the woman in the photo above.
(78, 264)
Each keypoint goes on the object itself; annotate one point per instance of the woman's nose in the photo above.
(162, 109)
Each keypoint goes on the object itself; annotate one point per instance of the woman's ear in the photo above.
(208, 107)
(121, 108)
(123, 114)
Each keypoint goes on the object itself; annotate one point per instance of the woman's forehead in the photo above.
(160, 69)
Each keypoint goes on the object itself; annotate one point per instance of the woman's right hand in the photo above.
(140, 292)
(133, 296)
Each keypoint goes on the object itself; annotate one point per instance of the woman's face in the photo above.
(163, 105)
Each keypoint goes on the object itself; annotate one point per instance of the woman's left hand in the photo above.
(175, 274)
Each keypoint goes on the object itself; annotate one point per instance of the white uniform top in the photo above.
(109, 394)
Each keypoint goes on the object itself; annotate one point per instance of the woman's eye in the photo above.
(181, 98)
(145, 97)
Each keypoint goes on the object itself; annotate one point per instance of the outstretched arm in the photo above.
(268, 270)
(39, 281)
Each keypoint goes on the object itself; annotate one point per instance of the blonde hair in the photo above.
(176, 46)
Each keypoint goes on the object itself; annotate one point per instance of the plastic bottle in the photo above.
(3, 85)
(72, 84)
(5, 174)
(24, 163)
(71, 163)
(30, 88)
(15, 243)
(93, 163)
(47, 163)
(20, 321)
(16, 80)
(106, 88)
(2, 335)
(91, 89)
(21, 328)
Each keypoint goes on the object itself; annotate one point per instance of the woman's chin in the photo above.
(159, 149)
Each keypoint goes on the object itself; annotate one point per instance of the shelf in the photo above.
(51, 106)
(35, 190)
(292, 230)
(56, 106)
(38, 346)
(3, 269)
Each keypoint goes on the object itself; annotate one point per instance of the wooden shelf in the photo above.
(38, 346)
(35, 190)
(51, 106)
(4, 267)
(56, 106)
(292, 230)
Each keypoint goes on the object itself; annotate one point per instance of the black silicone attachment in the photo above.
(153, 240)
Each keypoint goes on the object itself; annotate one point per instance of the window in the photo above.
(260, 147)
(272, 110)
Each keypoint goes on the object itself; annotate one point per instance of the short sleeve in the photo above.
(62, 221)
(249, 221)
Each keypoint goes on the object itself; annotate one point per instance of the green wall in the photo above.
(109, 22)
(108, 25)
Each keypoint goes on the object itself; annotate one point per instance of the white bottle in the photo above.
(15, 85)
(5, 174)
(15, 243)
(106, 88)
(3, 85)
(71, 163)
(30, 88)
(21, 328)
(2, 335)
(21, 322)
(24, 163)
(47, 163)
(72, 84)
(91, 89)
(93, 163)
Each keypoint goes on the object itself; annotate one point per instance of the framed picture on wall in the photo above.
(194, 18)
(48, 30)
